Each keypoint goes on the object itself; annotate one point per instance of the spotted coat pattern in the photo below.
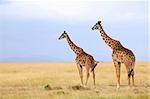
(120, 54)
(82, 59)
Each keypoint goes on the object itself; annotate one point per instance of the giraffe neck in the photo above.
(76, 49)
(113, 44)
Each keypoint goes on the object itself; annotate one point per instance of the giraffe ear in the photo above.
(64, 31)
(99, 22)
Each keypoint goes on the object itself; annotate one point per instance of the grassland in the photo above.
(61, 81)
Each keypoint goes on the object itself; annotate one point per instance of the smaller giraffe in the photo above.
(82, 59)
(120, 54)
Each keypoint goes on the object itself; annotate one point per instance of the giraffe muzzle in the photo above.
(59, 38)
(92, 28)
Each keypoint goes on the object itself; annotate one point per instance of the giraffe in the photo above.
(82, 59)
(120, 54)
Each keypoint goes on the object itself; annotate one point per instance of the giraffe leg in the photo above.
(87, 75)
(117, 67)
(129, 71)
(80, 73)
(132, 74)
(94, 77)
(129, 76)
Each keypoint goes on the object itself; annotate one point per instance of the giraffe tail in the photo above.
(95, 64)
(131, 71)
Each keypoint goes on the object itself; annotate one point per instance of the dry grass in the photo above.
(61, 81)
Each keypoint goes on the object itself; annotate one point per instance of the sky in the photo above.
(29, 29)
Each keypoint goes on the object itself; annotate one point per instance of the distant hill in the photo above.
(31, 59)
(56, 59)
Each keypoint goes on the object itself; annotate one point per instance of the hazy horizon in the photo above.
(29, 29)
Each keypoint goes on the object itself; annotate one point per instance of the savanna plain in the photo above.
(61, 80)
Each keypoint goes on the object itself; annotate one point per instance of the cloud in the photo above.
(71, 10)
(46, 9)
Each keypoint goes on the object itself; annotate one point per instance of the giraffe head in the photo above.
(96, 26)
(63, 35)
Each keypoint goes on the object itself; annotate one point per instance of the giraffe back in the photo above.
(85, 59)
(124, 55)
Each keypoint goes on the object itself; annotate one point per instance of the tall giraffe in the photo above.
(82, 59)
(120, 54)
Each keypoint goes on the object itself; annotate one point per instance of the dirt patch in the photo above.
(61, 92)
(137, 91)
(78, 87)
(48, 87)
(57, 88)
